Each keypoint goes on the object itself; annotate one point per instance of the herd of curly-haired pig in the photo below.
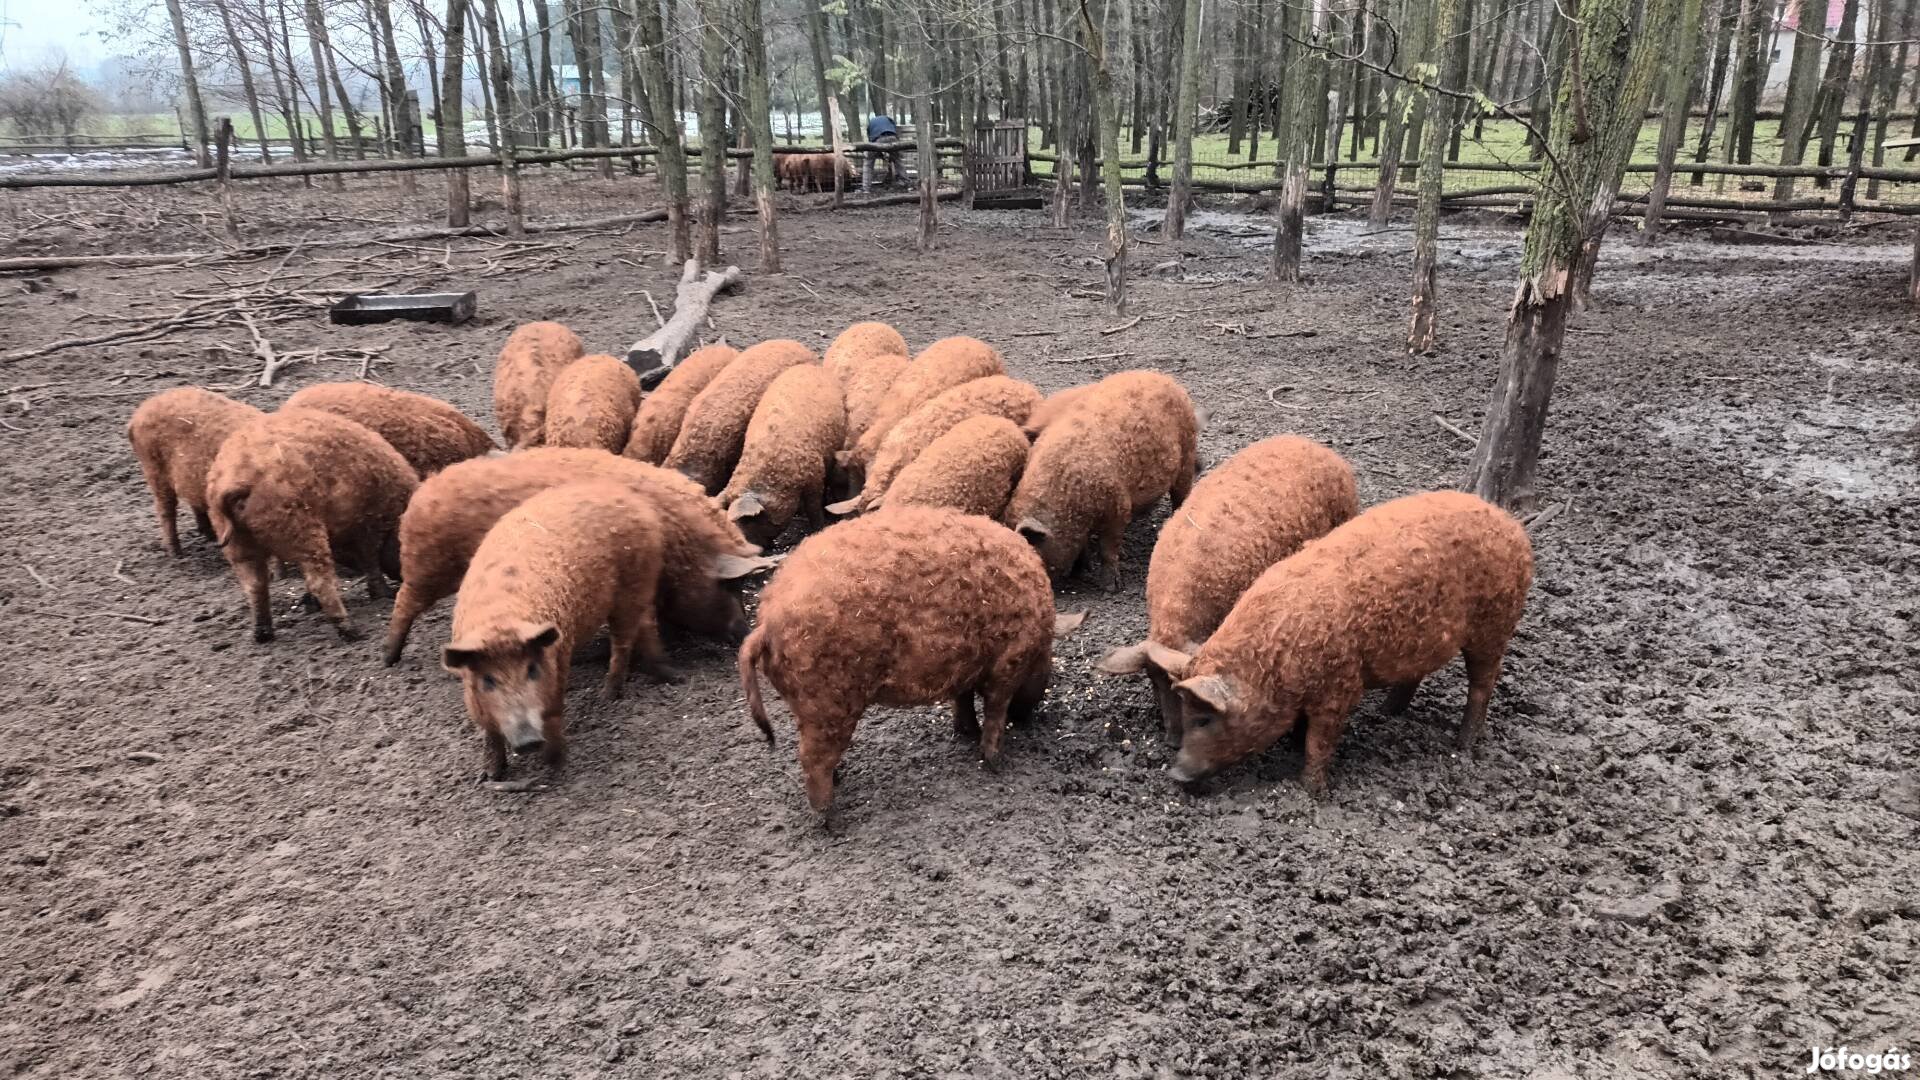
(1273, 600)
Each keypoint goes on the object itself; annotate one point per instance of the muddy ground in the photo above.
(1690, 849)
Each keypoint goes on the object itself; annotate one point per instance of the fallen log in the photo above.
(654, 355)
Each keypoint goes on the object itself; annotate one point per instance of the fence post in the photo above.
(222, 166)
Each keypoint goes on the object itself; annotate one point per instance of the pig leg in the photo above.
(1025, 706)
(1323, 733)
(965, 724)
(366, 549)
(1483, 671)
(202, 524)
(166, 503)
(1170, 723)
(1182, 482)
(1111, 532)
(814, 502)
(824, 738)
(315, 559)
(407, 606)
(495, 763)
(997, 696)
(1402, 696)
(251, 569)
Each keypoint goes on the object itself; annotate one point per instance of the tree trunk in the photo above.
(1106, 112)
(1393, 131)
(760, 116)
(299, 131)
(1138, 130)
(1799, 104)
(246, 79)
(328, 63)
(1237, 122)
(1683, 64)
(1463, 46)
(316, 43)
(1186, 104)
(1290, 216)
(1887, 89)
(403, 118)
(817, 50)
(433, 72)
(555, 120)
(499, 72)
(923, 135)
(1716, 84)
(1547, 92)
(666, 127)
(190, 83)
(597, 103)
(536, 107)
(451, 129)
(1450, 63)
(1833, 88)
(1618, 63)
(287, 103)
(713, 133)
(1747, 74)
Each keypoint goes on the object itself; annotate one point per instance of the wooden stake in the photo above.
(222, 168)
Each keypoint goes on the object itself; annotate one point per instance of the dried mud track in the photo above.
(1689, 851)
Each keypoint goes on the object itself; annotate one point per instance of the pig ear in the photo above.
(1125, 660)
(746, 506)
(843, 458)
(536, 638)
(458, 656)
(1067, 623)
(1209, 693)
(733, 567)
(1032, 531)
(1168, 659)
(844, 507)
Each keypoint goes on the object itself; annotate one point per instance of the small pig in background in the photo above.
(428, 432)
(592, 404)
(796, 429)
(532, 357)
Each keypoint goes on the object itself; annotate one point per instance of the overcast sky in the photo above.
(30, 29)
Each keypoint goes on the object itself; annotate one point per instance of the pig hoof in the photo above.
(263, 634)
(347, 631)
(612, 691)
(661, 673)
(308, 603)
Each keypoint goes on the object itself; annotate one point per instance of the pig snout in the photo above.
(524, 731)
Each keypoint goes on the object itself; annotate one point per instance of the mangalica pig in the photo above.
(971, 469)
(533, 356)
(592, 404)
(796, 429)
(715, 427)
(657, 423)
(294, 486)
(548, 576)
(176, 434)
(428, 432)
(909, 607)
(1384, 600)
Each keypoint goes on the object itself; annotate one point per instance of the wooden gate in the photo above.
(999, 156)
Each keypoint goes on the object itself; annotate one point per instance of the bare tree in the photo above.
(1106, 111)
(760, 110)
(1682, 73)
(451, 130)
(246, 78)
(1448, 64)
(196, 106)
(1186, 103)
(713, 133)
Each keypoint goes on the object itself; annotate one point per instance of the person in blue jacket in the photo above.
(881, 129)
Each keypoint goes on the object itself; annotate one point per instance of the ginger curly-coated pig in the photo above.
(1054, 407)
(657, 423)
(1257, 508)
(176, 434)
(1127, 442)
(715, 427)
(547, 577)
(995, 395)
(532, 357)
(294, 486)
(428, 432)
(940, 367)
(592, 404)
(451, 513)
(866, 358)
(1386, 599)
(910, 607)
(971, 468)
(796, 429)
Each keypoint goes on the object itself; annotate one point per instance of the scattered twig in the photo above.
(262, 348)
(1443, 422)
(659, 320)
(1538, 520)
(1128, 325)
(1037, 333)
(117, 567)
(35, 574)
(1083, 359)
(1272, 390)
(128, 616)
